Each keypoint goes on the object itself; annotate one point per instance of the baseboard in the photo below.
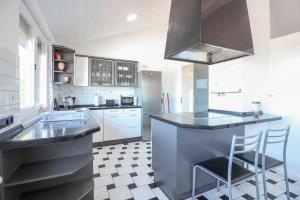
(114, 142)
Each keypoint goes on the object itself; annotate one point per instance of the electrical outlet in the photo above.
(6, 121)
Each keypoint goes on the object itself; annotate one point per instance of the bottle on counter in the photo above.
(96, 100)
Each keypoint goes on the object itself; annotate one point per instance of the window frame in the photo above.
(37, 35)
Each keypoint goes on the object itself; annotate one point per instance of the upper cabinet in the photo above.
(81, 70)
(102, 71)
(126, 73)
(63, 65)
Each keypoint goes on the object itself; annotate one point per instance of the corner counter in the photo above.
(180, 140)
(48, 160)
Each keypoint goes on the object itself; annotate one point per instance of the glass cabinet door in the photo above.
(101, 72)
(126, 73)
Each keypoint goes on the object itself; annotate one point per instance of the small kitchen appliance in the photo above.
(110, 102)
(127, 100)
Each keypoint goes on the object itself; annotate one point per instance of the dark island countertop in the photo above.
(212, 119)
(43, 132)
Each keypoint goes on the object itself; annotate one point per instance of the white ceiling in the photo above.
(81, 20)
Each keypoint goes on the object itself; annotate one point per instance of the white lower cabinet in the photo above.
(122, 123)
(98, 116)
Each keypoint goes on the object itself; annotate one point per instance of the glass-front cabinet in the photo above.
(101, 72)
(125, 73)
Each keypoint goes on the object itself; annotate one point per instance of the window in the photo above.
(33, 67)
(26, 65)
(40, 73)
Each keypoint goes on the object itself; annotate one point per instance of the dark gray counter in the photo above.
(211, 119)
(48, 160)
(41, 133)
(101, 107)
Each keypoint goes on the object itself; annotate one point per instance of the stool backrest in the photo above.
(244, 144)
(276, 136)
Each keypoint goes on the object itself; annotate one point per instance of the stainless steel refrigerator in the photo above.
(150, 97)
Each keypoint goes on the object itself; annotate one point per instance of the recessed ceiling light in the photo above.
(132, 17)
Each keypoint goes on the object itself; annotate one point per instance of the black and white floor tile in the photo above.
(123, 172)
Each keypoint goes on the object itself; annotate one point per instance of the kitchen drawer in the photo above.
(132, 119)
(113, 111)
(132, 131)
(132, 110)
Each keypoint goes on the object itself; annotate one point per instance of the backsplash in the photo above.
(9, 82)
(85, 95)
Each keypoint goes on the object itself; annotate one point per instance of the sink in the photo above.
(64, 115)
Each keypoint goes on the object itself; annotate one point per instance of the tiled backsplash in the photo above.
(9, 82)
(85, 95)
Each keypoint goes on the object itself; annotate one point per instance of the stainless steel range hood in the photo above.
(208, 31)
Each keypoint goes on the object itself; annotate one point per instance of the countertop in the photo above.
(101, 107)
(41, 132)
(212, 119)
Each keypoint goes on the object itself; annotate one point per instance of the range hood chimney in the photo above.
(208, 31)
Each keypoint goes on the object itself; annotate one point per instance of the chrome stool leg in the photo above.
(218, 185)
(257, 187)
(229, 191)
(265, 184)
(194, 182)
(286, 182)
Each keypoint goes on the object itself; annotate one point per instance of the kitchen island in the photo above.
(48, 160)
(180, 140)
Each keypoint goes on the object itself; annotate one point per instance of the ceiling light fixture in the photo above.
(132, 17)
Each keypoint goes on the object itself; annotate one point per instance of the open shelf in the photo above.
(38, 171)
(63, 72)
(67, 57)
(65, 61)
(70, 191)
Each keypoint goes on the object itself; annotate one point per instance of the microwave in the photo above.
(127, 100)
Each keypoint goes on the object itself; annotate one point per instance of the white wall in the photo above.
(285, 71)
(9, 80)
(147, 47)
(270, 76)
(9, 23)
(250, 73)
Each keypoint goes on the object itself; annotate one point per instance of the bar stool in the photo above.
(226, 170)
(266, 163)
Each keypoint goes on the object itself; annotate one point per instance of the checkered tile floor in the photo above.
(123, 172)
